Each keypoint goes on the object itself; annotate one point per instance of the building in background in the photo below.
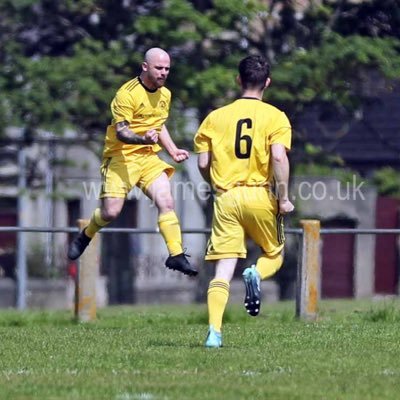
(63, 182)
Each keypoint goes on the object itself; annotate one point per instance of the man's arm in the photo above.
(125, 135)
(280, 164)
(204, 164)
(178, 155)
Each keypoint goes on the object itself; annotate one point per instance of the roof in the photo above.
(371, 140)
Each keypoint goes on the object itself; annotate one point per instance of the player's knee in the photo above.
(166, 208)
(110, 213)
(166, 204)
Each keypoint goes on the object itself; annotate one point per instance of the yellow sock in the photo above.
(267, 266)
(171, 232)
(95, 224)
(217, 298)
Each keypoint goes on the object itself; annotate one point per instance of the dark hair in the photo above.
(254, 71)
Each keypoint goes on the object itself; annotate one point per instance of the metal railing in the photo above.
(308, 277)
(298, 231)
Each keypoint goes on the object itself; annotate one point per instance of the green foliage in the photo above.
(59, 92)
(387, 181)
(321, 164)
(341, 174)
(204, 47)
(333, 72)
(317, 155)
(62, 61)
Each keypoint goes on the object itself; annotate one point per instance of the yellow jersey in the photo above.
(143, 109)
(239, 136)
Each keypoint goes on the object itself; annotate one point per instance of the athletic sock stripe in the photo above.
(215, 282)
(218, 285)
(220, 291)
(224, 285)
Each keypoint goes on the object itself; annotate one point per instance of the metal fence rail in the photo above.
(308, 278)
(356, 231)
(298, 231)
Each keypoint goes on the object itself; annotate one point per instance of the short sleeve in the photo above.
(202, 139)
(122, 107)
(281, 131)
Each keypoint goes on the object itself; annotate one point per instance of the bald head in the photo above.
(155, 54)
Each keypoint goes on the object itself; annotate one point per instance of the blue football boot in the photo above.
(252, 300)
(214, 338)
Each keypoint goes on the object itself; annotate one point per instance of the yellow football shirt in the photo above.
(239, 136)
(142, 108)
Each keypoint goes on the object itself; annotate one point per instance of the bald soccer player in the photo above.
(139, 111)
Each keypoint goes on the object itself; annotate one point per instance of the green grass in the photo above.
(351, 352)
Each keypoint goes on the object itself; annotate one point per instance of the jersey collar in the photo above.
(249, 98)
(149, 90)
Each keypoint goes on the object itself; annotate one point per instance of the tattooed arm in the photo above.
(125, 135)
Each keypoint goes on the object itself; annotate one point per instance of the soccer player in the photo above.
(139, 111)
(242, 150)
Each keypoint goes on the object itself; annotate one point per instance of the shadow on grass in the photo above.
(174, 344)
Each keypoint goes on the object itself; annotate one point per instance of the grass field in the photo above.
(351, 352)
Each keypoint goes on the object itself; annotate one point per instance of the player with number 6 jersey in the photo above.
(242, 154)
(239, 136)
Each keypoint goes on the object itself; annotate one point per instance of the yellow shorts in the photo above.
(121, 173)
(245, 211)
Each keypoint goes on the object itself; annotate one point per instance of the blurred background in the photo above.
(335, 73)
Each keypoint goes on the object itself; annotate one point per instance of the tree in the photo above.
(62, 61)
(56, 64)
(340, 72)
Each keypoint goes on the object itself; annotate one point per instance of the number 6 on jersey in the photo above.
(243, 142)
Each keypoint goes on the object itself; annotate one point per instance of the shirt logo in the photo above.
(162, 104)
